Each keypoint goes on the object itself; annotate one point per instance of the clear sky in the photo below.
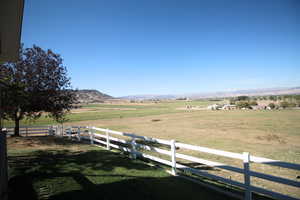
(125, 47)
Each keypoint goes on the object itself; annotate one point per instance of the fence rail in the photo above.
(31, 130)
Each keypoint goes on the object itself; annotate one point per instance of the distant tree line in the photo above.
(283, 101)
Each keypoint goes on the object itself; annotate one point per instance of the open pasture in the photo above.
(273, 134)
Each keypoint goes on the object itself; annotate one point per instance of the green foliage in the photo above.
(37, 83)
(273, 98)
(243, 104)
(232, 101)
(284, 104)
(253, 103)
(292, 104)
(272, 105)
(243, 98)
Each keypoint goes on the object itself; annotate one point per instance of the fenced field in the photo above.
(137, 142)
(269, 134)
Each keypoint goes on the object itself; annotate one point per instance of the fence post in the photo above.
(248, 193)
(91, 135)
(50, 130)
(107, 140)
(69, 133)
(26, 131)
(3, 165)
(78, 134)
(173, 156)
(56, 129)
(133, 143)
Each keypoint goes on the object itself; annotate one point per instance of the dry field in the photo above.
(270, 134)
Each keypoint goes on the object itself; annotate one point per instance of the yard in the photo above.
(56, 168)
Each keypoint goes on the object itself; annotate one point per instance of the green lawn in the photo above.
(47, 168)
(111, 111)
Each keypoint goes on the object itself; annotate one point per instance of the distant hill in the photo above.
(249, 92)
(91, 96)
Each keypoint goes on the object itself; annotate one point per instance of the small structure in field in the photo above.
(258, 107)
(229, 107)
(214, 107)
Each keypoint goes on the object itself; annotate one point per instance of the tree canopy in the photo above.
(34, 85)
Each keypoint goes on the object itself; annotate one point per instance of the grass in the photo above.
(115, 111)
(270, 134)
(56, 168)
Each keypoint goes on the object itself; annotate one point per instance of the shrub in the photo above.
(284, 104)
(272, 105)
(243, 104)
(292, 104)
(242, 98)
(253, 103)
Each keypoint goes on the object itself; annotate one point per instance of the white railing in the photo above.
(32, 130)
(132, 146)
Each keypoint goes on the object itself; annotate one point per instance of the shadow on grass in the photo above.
(63, 174)
(94, 174)
(43, 141)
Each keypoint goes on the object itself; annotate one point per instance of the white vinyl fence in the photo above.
(108, 139)
(32, 130)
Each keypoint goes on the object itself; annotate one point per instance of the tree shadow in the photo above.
(56, 161)
(141, 188)
(54, 168)
(41, 142)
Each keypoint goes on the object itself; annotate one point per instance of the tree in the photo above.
(253, 103)
(272, 98)
(34, 85)
(272, 105)
(242, 98)
(284, 104)
(232, 101)
(243, 104)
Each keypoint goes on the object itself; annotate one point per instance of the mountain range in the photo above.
(94, 96)
(247, 92)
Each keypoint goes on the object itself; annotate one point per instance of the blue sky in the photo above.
(125, 47)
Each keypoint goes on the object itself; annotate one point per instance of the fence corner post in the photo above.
(133, 143)
(78, 134)
(50, 130)
(247, 181)
(56, 130)
(107, 140)
(69, 132)
(173, 156)
(91, 135)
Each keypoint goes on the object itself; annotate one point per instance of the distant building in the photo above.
(229, 107)
(214, 107)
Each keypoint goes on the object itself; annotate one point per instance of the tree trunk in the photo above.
(17, 127)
